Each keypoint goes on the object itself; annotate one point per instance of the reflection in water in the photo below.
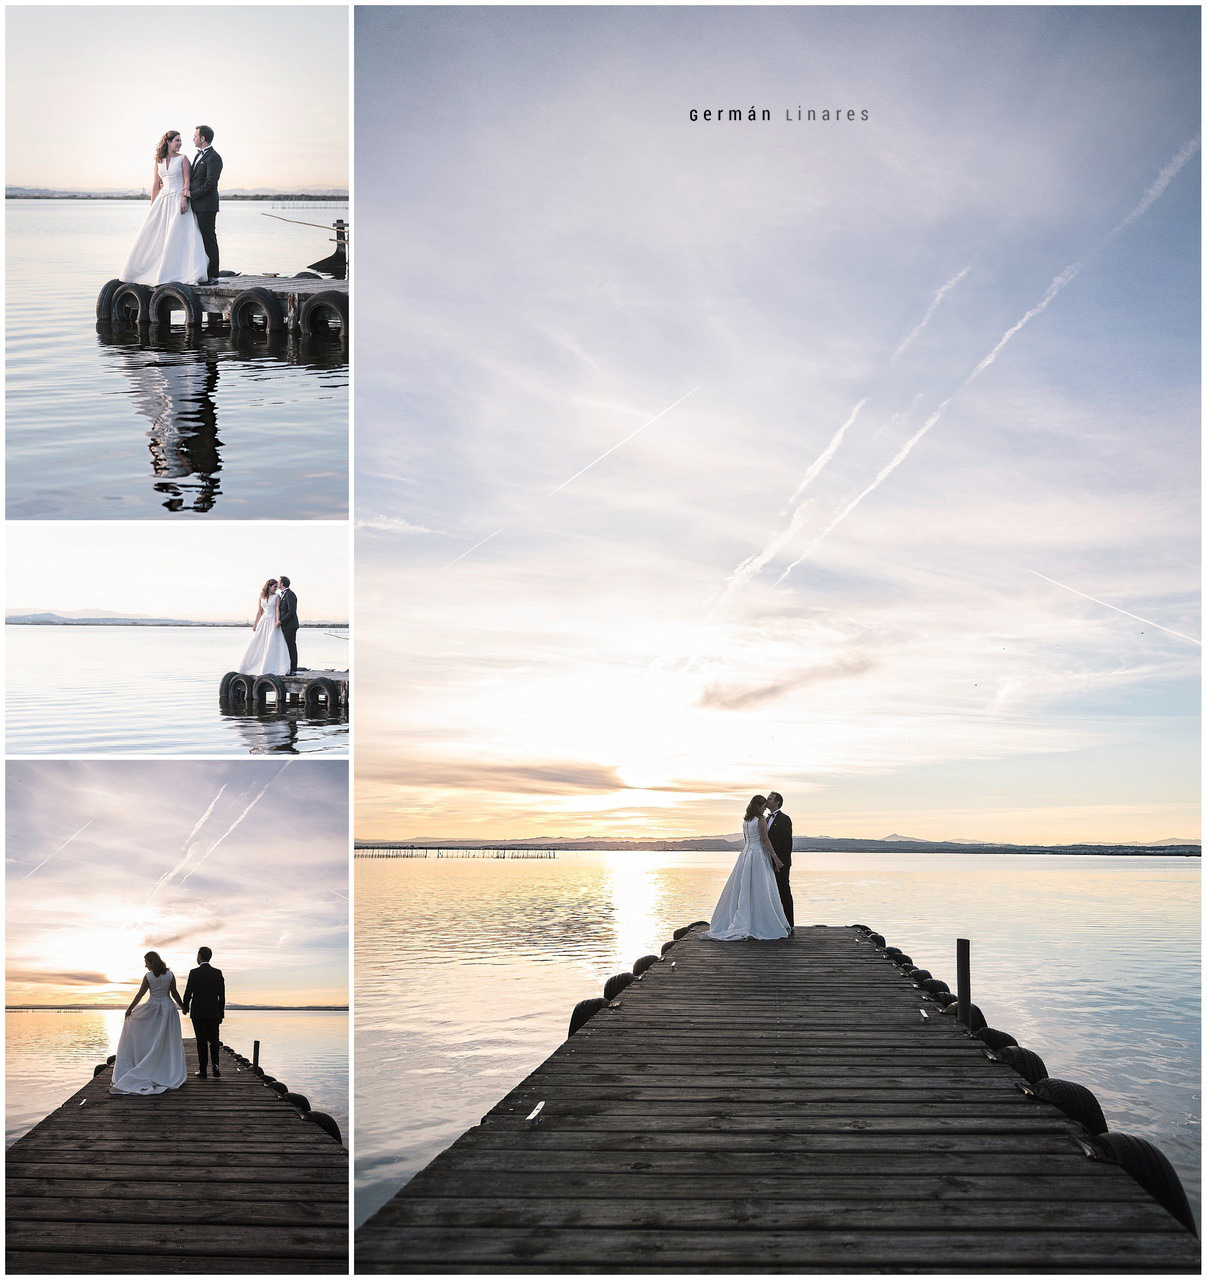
(173, 379)
(279, 732)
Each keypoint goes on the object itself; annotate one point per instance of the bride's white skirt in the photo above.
(749, 905)
(169, 246)
(150, 1052)
(267, 654)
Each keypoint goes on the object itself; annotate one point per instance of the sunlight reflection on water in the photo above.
(467, 970)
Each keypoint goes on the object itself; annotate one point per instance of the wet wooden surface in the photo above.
(218, 1177)
(772, 1106)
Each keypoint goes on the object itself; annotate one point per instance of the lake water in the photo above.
(152, 691)
(49, 1056)
(104, 424)
(468, 969)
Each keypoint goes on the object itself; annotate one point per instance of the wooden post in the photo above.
(255, 1053)
(964, 981)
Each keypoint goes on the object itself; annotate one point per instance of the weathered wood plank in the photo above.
(772, 1107)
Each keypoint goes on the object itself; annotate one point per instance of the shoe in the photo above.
(201, 1075)
(217, 1074)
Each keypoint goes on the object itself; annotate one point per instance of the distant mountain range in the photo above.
(802, 844)
(134, 193)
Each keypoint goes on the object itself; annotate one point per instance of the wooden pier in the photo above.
(317, 693)
(773, 1106)
(218, 1177)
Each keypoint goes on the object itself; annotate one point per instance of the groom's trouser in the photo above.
(209, 238)
(206, 1031)
(781, 880)
(291, 643)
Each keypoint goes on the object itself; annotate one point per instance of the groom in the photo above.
(206, 994)
(207, 169)
(779, 832)
(287, 620)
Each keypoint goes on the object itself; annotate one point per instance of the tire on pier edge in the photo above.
(130, 305)
(104, 302)
(1151, 1169)
(259, 691)
(315, 691)
(325, 1122)
(1075, 1100)
(238, 687)
(584, 1010)
(324, 312)
(176, 296)
(252, 303)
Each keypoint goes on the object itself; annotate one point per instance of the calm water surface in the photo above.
(103, 424)
(49, 1056)
(151, 690)
(467, 971)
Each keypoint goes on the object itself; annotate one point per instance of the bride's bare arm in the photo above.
(184, 195)
(766, 839)
(175, 993)
(259, 615)
(156, 183)
(142, 991)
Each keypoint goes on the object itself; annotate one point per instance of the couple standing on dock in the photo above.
(757, 899)
(273, 650)
(178, 242)
(150, 1052)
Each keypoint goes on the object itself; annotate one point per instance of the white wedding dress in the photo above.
(150, 1052)
(268, 654)
(749, 905)
(168, 247)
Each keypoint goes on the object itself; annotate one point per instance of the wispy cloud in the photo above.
(912, 336)
(390, 524)
(742, 699)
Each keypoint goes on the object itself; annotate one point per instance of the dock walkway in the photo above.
(772, 1106)
(217, 1177)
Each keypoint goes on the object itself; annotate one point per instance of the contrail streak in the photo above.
(60, 849)
(830, 450)
(930, 311)
(584, 470)
(1148, 622)
(617, 445)
(1163, 180)
(255, 800)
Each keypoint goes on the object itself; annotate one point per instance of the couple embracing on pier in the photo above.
(757, 899)
(150, 1052)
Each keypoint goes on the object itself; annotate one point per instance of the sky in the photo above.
(186, 572)
(92, 89)
(107, 860)
(857, 459)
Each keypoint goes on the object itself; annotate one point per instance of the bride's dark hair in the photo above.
(268, 586)
(161, 150)
(755, 807)
(154, 963)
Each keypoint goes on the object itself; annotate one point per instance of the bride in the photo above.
(168, 247)
(150, 1052)
(749, 906)
(267, 654)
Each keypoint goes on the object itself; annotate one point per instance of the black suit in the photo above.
(779, 831)
(205, 1002)
(287, 620)
(203, 193)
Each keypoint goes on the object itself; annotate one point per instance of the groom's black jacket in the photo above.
(780, 834)
(288, 612)
(205, 994)
(203, 185)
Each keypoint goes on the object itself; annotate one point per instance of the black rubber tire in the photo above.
(130, 304)
(583, 1011)
(945, 998)
(298, 1100)
(1075, 1100)
(312, 701)
(111, 1059)
(320, 309)
(975, 1017)
(240, 687)
(257, 302)
(682, 933)
(863, 928)
(279, 1086)
(917, 976)
(666, 946)
(224, 685)
(904, 961)
(616, 984)
(324, 1122)
(1026, 1062)
(1150, 1169)
(642, 963)
(877, 938)
(100, 1066)
(995, 1039)
(934, 985)
(104, 302)
(893, 952)
(176, 297)
(259, 691)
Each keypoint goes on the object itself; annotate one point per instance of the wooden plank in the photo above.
(219, 1176)
(772, 1107)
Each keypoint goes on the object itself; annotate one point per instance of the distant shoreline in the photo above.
(149, 622)
(230, 1008)
(281, 197)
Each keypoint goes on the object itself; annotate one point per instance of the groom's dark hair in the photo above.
(283, 580)
(204, 953)
(775, 795)
(206, 132)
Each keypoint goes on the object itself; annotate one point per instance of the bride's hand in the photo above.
(184, 204)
